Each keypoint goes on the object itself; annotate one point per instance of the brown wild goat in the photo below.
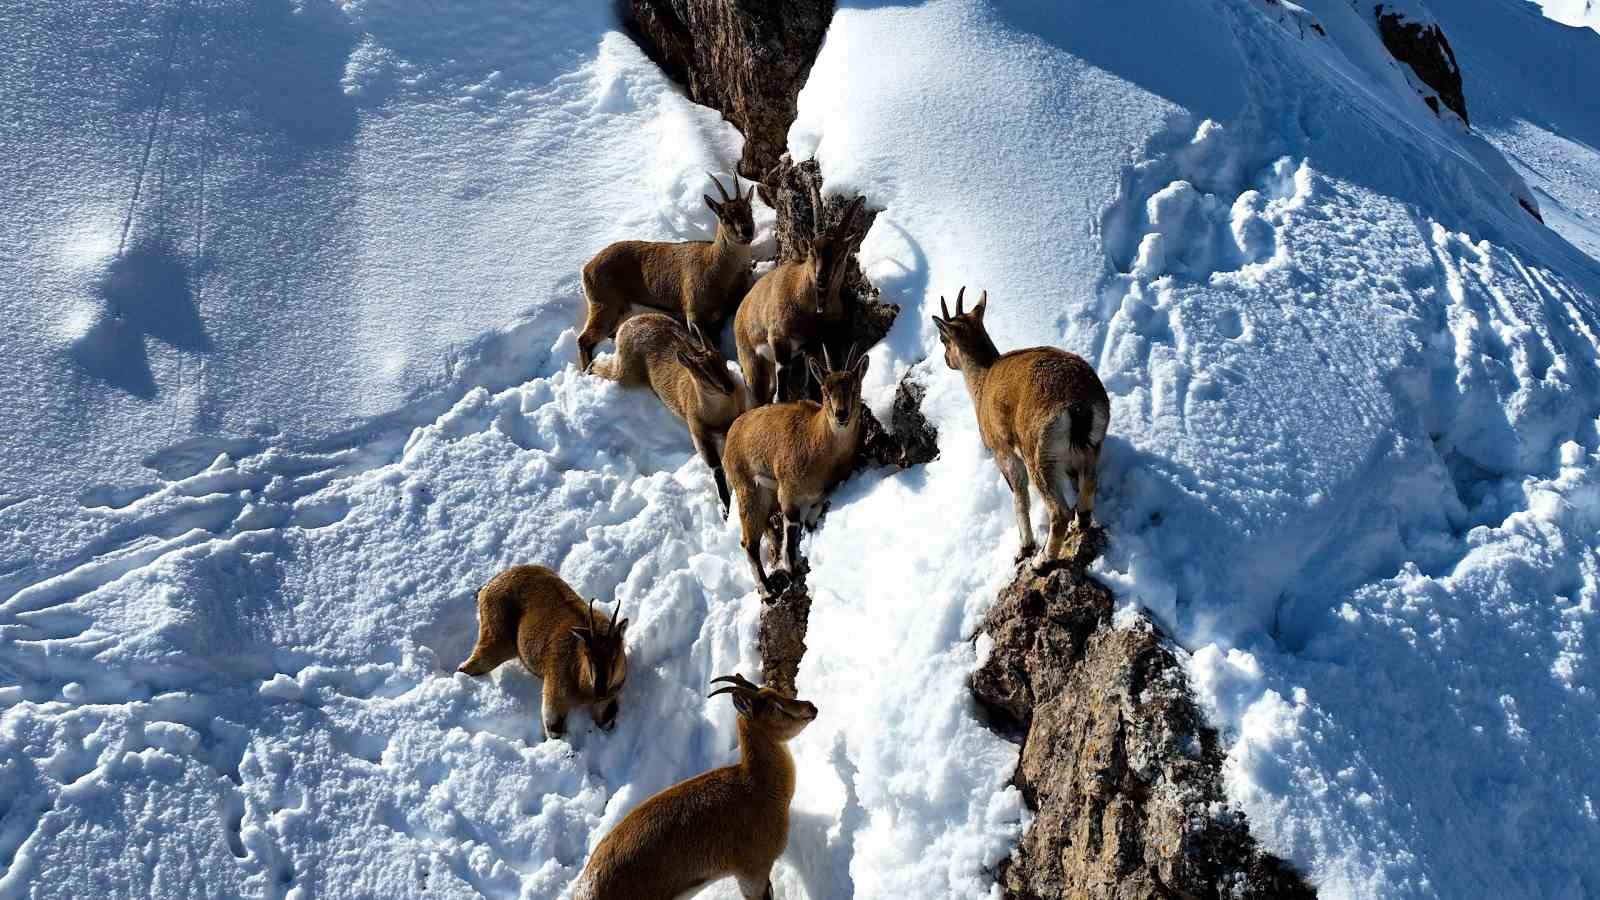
(690, 376)
(1042, 412)
(698, 281)
(530, 613)
(729, 821)
(792, 305)
(791, 455)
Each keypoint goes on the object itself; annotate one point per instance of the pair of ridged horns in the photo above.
(960, 310)
(849, 359)
(723, 192)
(737, 684)
(594, 624)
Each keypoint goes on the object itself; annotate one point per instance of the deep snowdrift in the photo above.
(1353, 468)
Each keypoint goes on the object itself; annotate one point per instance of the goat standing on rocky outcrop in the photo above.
(1042, 412)
(530, 613)
(690, 376)
(698, 281)
(732, 821)
(794, 304)
(791, 455)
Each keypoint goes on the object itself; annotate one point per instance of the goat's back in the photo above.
(1026, 391)
(708, 827)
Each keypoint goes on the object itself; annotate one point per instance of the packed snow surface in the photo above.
(291, 289)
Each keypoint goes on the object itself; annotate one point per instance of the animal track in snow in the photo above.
(1201, 208)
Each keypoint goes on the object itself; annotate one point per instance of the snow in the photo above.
(1354, 465)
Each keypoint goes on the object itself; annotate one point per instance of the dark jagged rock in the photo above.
(1124, 774)
(1423, 47)
(910, 439)
(781, 634)
(747, 59)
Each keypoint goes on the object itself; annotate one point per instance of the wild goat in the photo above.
(530, 613)
(699, 281)
(792, 454)
(690, 376)
(729, 821)
(793, 304)
(1042, 412)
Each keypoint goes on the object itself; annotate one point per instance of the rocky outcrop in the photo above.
(1117, 761)
(747, 59)
(1422, 47)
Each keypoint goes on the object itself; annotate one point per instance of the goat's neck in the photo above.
(727, 254)
(839, 440)
(976, 362)
(765, 761)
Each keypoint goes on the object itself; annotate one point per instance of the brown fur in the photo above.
(792, 305)
(1042, 412)
(530, 613)
(688, 374)
(732, 821)
(698, 281)
(790, 455)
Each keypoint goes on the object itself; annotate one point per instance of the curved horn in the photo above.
(720, 188)
(826, 359)
(816, 208)
(615, 611)
(959, 296)
(850, 358)
(593, 625)
(736, 189)
(942, 308)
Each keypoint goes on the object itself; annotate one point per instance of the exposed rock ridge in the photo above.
(1423, 47)
(1117, 761)
(747, 59)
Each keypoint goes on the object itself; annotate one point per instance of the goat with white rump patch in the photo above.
(1042, 412)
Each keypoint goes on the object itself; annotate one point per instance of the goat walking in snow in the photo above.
(732, 821)
(690, 376)
(698, 281)
(530, 613)
(1042, 412)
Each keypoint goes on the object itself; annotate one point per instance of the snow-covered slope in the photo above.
(1353, 464)
(1354, 451)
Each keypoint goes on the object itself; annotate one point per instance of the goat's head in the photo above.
(603, 651)
(706, 364)
(828, 254)
(734, 212)
(963, 334)
(778, 715)
(841, 388)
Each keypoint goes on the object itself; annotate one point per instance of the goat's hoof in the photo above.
(1025, 554)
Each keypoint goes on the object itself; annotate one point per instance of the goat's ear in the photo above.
(621, 627)
(942, 325)
(582, 633)
(741, 702)
(750, 196)
(715, 206)
(983, 304)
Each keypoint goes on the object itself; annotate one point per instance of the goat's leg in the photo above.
(552, 711)
(1016, 475)
(781, 353)
(792, 513)
(755, 505)
(1088, 483)
(1047, 476)
(705, 444)
(605, 314)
